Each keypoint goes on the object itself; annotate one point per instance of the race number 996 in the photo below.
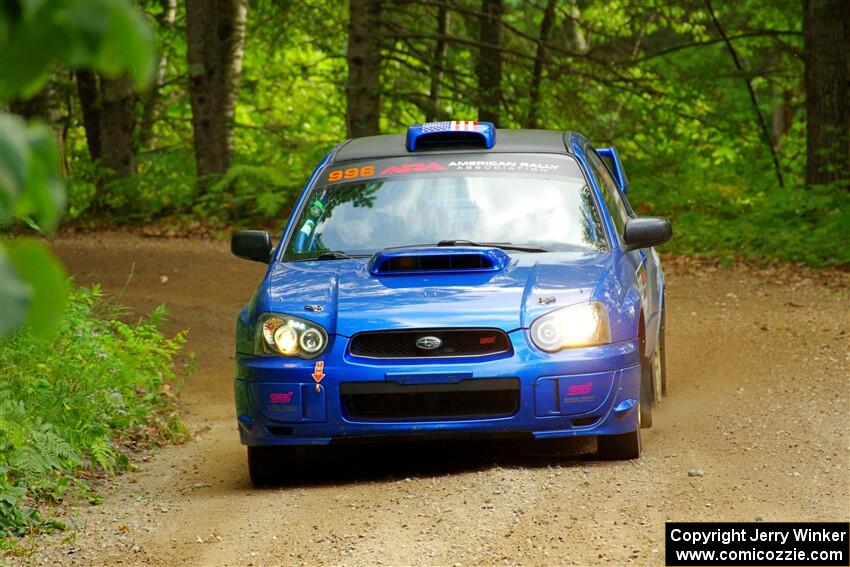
(351, 173)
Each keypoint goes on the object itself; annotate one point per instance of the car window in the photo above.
(362, 207)
(619, 210)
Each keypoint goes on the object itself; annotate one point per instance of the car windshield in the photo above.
(537, 202)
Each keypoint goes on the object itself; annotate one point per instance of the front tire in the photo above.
(662, 350)
(647, 394)
(270, 466)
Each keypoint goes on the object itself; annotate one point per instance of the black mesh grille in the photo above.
(488, 397)
(453, 343)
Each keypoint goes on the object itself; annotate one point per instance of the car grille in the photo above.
(468, 399)
(453, 343)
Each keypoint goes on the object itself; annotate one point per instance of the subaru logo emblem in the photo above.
(428, 343)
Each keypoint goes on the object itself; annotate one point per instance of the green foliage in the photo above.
(810, 226)
(106, 35)
(75, 406)
(33, 288)
(31, 188)
(257, 192)
(652, 78)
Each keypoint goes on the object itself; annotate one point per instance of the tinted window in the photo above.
(360, 208)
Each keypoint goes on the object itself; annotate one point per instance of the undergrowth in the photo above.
(72, 409)
(793, 224)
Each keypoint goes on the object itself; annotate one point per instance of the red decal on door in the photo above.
(579, 389)
(281, 398)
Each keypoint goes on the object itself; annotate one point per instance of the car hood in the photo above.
(345, 298)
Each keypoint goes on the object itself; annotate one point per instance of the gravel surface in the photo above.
(756, 427)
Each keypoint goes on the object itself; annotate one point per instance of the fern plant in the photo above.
(67, 407)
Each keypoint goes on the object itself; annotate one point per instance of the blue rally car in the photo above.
(457, 280)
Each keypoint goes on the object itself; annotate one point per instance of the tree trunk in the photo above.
(215, 40)
(363, 89)
(89, 94)
(46, 106)
(439, 65)
(780, 115)
(573, 36)
(116, 126)
(153, 99)
(231, 27)
(205, 83)
(490, 62)
(826, 25)
(533, 120)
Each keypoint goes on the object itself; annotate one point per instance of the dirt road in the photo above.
(760, 403)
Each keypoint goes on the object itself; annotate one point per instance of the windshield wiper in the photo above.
(500, 245)
(328, 255)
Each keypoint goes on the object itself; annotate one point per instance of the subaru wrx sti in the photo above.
(458, 280)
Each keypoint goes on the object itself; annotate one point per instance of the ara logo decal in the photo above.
(412, 168)
(281, 398)
(579, 389)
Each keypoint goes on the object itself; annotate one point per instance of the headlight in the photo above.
(290, 336)
(584, 324)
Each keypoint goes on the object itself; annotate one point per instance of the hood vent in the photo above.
(438, 260)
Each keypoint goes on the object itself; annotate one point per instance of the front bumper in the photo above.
(586, 391)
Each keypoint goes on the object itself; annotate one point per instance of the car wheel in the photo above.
(620, 447)
(662, 350)
(269, 466)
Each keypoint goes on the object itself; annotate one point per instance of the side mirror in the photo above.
(252, 245)
(647, 232)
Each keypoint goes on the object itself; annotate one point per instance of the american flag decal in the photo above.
(457, 125)
(464, 124)
(451, 131)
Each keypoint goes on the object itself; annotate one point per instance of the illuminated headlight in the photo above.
(312, 341)
(286, 339)
(584, 324)
(290, 336)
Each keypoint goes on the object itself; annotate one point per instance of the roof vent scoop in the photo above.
(438, 260)
(451, 134)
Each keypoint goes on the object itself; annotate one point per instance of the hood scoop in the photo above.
(438, 260)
